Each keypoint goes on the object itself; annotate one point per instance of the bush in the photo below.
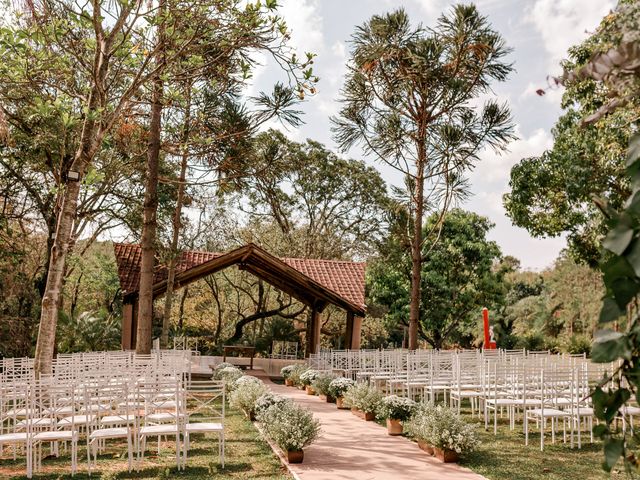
(287, 371)
(220, 366)
(308, 376)
(266, 400)
(443, 428)
(339, 386)
(295, 373)
(578, 344)
(228, 375)
(291, 427)
(246, 393)
(322, 382)
(363, 397)
(396, 408)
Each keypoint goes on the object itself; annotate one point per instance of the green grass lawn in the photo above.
(505, 456)
(247, 456)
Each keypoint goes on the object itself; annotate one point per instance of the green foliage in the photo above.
(291, 427)
(458, 279)
(363, 397)
(593, 157)
(322, 382)
(88, 331)
(396, 408)
(614, 68)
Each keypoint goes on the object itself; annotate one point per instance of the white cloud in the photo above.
(564, 23)
(494, 168)
(305, 23)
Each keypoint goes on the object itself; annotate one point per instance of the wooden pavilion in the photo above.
(315, 283)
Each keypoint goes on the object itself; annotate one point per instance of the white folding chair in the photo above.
(207, 413)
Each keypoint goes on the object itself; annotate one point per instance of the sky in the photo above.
(538, 31)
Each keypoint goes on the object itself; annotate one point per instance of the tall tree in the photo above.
(459, 276)
(229, 34)
(592, 156)
(324, 206)
(407, 102)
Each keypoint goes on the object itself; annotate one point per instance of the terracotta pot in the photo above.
(295, 456)
(367, 416)
(426, 447)
(445, 455)
(288, 383)
(394, 427)
(310, 390)
(340, 404)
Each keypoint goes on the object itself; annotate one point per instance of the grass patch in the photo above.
(247, 456)
(505, 455)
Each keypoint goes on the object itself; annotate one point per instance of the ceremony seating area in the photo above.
(536, 390)
(92, 398)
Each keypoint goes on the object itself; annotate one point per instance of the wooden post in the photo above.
(348, 333)
(357, 330)
(313, 332)
(127, 325)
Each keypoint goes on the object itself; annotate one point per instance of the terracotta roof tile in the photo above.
(344, 278)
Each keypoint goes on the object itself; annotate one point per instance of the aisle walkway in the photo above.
(350, 448)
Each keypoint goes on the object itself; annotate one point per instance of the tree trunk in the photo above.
(416, 251)
(52, 295)
(177, 214)
(150, 220)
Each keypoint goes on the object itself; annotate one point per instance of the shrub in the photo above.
(322, 382)
(339, 386)
(291, 427)
(287, 371)
(308, 376)
(578, 344)
(228, 375)
(246, 393)
(363, 397)
(443, 428)
(220, 366)
(396, 408)
(295, 373)
(266, 400)
(420, 423)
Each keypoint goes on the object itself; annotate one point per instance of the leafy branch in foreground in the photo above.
(618, 69)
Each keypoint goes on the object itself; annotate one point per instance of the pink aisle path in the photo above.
(350, 448)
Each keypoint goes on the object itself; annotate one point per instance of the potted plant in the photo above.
(307, 378)
(286, 374)
(337, 389)
(266, 400)
(321, 386)
(419, 426)
(443, 429)
(291, 427)
(295, 373)
(396, 410)
(228, 375)
(363, 399)
(247, 390)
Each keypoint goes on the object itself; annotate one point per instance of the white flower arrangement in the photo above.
(291, 427)
(246, 393)
(363, 397)
(222, 365)
(267, 400)
(441, 427)
(339, 386)
(295, 373)
(307, 377)
(322, 382)
(396, 408)
(287, 371)
(228, 375)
